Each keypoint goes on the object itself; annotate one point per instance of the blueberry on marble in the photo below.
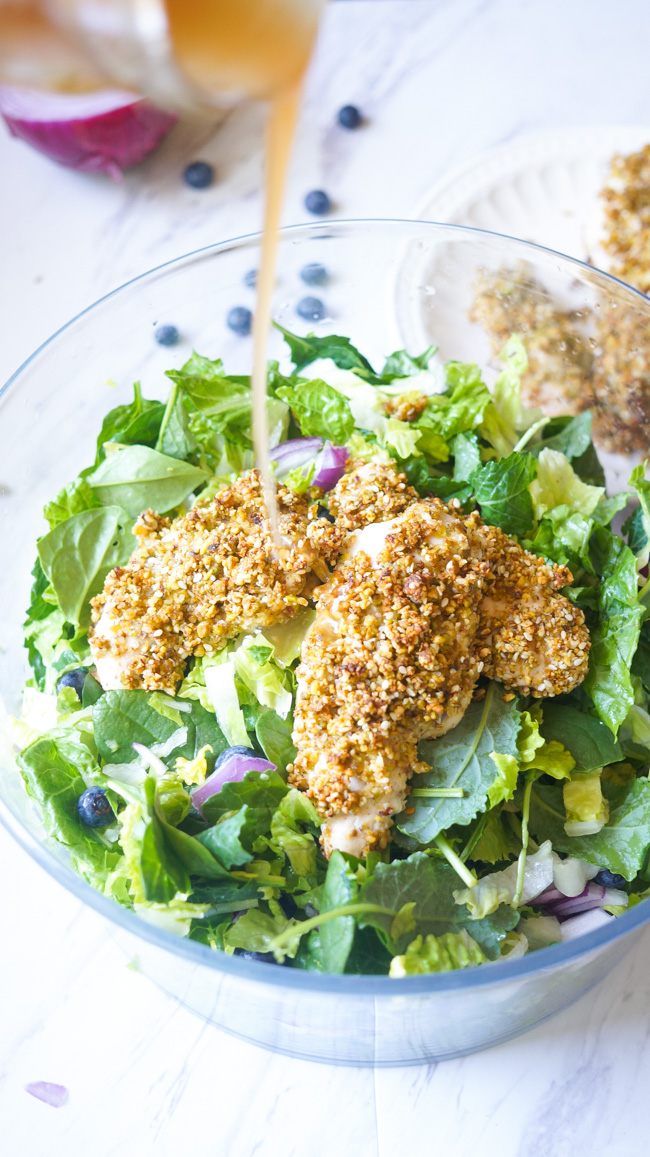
(74, 679)
(94, 809)
(198, 175)
(349, 117)
(250, 279)
(608, 879)
(311, 309)
(240, 320)
(314, 274)
(166, 335)
(238, 749)
(317, 202)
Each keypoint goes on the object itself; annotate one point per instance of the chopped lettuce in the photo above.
(438, 954)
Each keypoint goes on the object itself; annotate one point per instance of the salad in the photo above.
(180, 753)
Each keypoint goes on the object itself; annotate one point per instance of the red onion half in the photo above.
(96, 132)
(329, 461)
(232, 770)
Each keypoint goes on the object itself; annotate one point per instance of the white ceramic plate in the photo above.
(542, 188)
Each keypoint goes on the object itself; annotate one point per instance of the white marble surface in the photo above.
(438, 82)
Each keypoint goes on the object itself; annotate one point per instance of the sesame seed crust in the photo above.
(197, 581)
(398, 644)
(368, 492)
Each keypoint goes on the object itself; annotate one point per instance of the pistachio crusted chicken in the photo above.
(422, 601)
(419, 606)
(200, 580)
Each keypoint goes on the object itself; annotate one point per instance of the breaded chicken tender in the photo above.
(532, 638)
(369, 492)
(417, 609)
(390, 659)
(197, 581)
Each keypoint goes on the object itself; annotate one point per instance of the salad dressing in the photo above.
(261, 50)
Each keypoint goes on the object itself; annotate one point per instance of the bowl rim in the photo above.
(553, 956)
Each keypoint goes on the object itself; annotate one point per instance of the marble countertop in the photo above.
(438, 82)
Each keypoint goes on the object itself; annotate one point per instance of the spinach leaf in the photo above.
(402, 365)
(175, 437)
(77, 555)
(368, 956)
(430, 886)
(138, 478)
(121, 718)
(72, 499)
(571, 436)
(320, 410)
(462, 759)
(501, 490)
(590, 742)
(231, 840)
(336, 936)
(274, 736)
(258, 789)
(641, 660)
(634, 530)
(305, 350)
(615, 638)
(51, 769)
(621, 845)
(137, 423)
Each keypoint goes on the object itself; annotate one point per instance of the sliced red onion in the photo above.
(330, 466)
(231, 771)
(585, 922)
(53, 1095)
(329, 461)
(295, 453)
(97, 132)
(593, 896)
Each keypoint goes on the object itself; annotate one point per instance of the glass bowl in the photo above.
(390, 284)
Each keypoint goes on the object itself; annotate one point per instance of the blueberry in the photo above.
(349, 117)
(608, 879)
(74, 679)
(240, 320)
(318, 203)
(166, 335)
(93, 808)
(238, 749)
(264, 957)
(250, 279)
(198, 175)
(323, 512)
(311, 309)
(314, 274)
(310, 911)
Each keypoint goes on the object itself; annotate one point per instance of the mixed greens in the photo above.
(533, 822)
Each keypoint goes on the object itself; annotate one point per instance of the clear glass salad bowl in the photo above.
(390, 284)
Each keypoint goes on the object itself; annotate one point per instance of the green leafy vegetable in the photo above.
(72, 499)
(443, 953)
(402, 365)
(501, 488)
(77, 555)
(138, 478)
(622, 843)
(462, 759)
(320, 410)
(122, 718)
(336, 937)
(135, 424)
(615, 638)
(590, 742)
(305, 350)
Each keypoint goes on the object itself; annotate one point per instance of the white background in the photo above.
(438, 82)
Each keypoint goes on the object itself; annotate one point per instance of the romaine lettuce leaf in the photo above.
(320, 410)
(72, 499)
(443, 953)
(557, 484)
